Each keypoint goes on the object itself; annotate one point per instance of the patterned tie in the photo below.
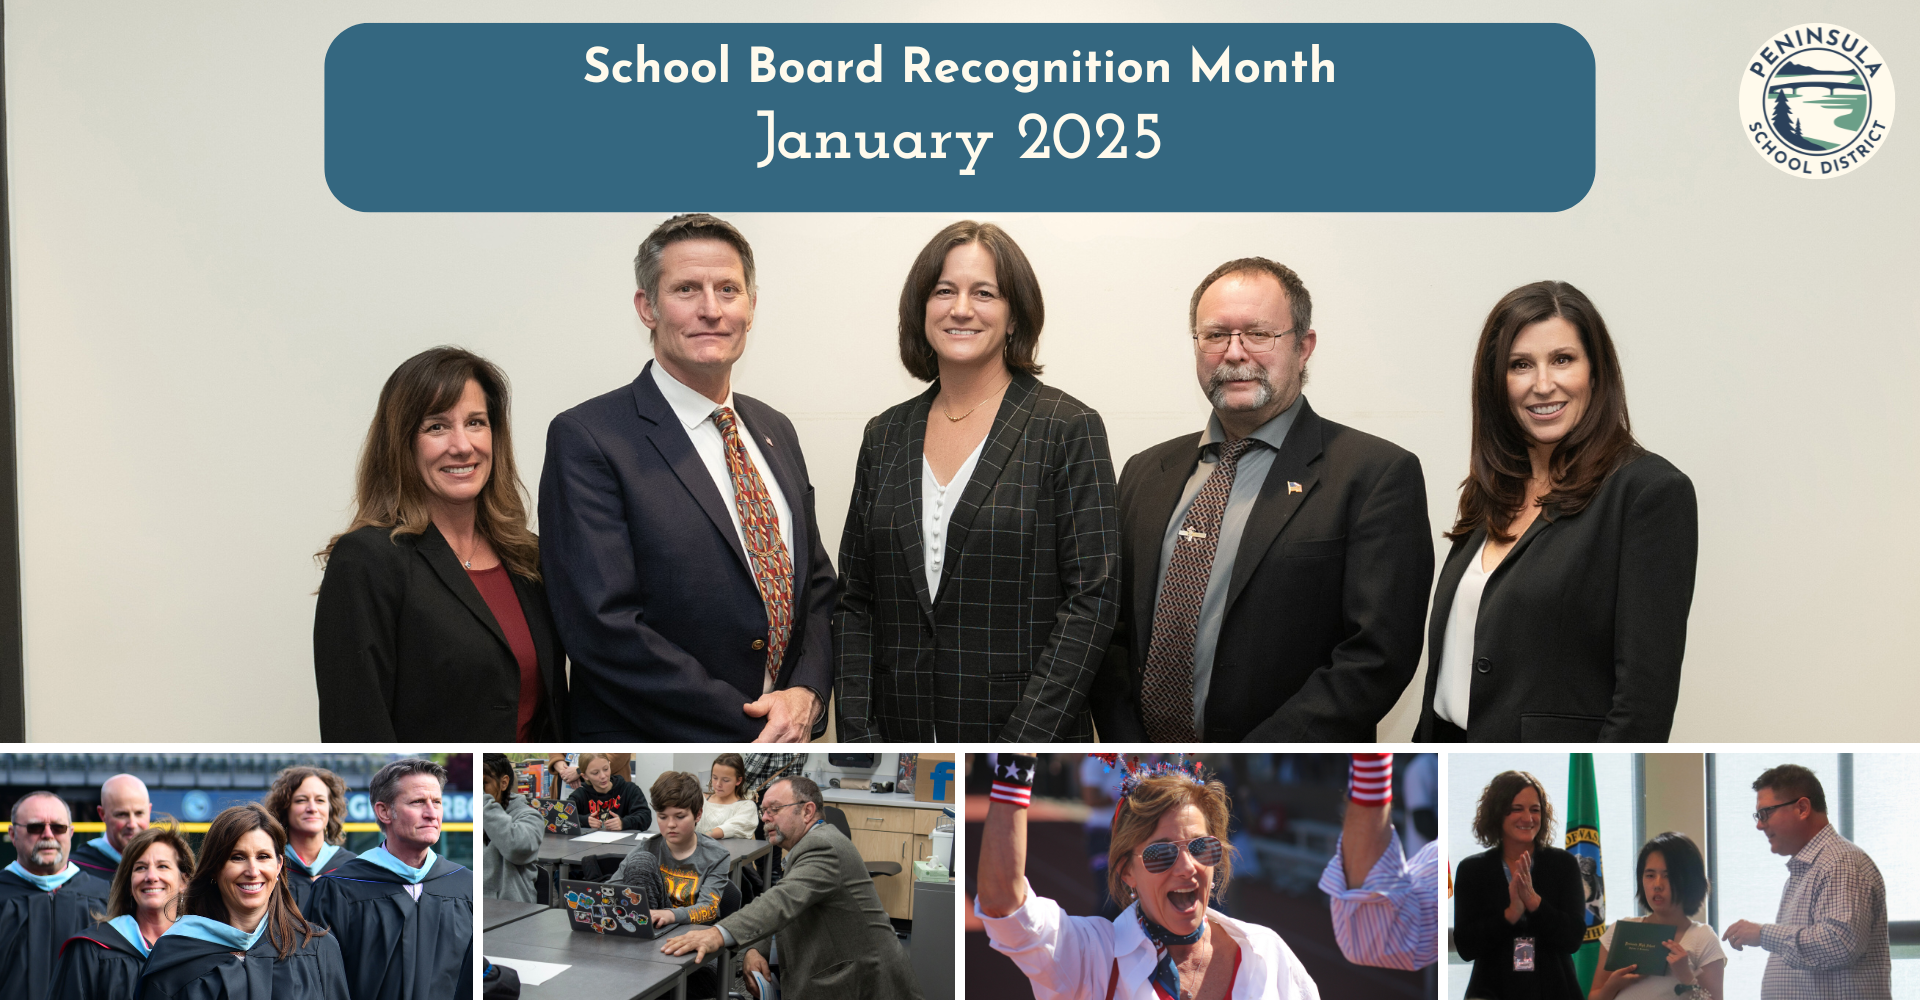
(1166, 690)
(760, 523)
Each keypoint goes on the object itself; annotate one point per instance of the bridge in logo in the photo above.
(1816, 85)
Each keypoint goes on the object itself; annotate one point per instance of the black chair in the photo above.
(838, 819)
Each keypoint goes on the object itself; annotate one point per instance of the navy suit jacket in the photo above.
(651, 589)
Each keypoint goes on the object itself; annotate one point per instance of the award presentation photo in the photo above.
(1708, 876)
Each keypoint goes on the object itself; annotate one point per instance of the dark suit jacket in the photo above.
(1009, 647)
(405, 648)
(1322, 625)
(651, 588)
(1483, 936)
(1582, 626)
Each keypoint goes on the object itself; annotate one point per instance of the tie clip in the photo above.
(1192, 534)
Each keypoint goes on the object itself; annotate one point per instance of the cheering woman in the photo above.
(1170, 858)
(1521, 901)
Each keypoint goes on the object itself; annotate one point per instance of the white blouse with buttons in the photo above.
(936, 511)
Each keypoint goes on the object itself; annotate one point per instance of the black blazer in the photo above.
(1322, 625)
(405, 648)
(1009, 647)
(651, 589)
(1582, 626)
(1482, 935)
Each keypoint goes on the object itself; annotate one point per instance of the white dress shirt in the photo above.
(696, 415)
(936, 511)
(1072, 958)
(1454, 691)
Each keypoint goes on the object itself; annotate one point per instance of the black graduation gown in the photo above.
(33, 923)
(95, 862)
(98, 963)
(184, 968)
(395, 948)
(302, 883)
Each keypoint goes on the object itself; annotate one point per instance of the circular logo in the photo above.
(1817, 101)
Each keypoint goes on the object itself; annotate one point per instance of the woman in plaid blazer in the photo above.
(980, 565)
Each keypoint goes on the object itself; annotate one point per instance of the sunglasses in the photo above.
(1156, 858)
(37, 829)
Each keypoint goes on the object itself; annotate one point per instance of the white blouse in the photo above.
(1454, 691)
(936, 510)
(1072, 958)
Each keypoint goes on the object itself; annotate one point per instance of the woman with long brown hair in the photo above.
(432, 623)
(1561, 613)
(311, 804)
(104, 961)
(980, 564)
(237, 903)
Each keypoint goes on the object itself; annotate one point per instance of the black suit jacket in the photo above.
(1582, 626)
(1009, 647)
(651, 588)
(1483, 936)
(405, 648)
(1322, 625)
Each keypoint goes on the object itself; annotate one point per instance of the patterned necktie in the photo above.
(1166, 690)
(760, 523)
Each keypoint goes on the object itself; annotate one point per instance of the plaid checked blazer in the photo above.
(1008, 648)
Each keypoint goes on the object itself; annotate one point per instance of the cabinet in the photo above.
(896, 834)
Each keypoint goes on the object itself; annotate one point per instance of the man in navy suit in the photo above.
(686, 574)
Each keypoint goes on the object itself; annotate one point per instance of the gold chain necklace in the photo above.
(947, 411)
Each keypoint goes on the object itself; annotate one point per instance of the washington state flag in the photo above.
(1583, 842)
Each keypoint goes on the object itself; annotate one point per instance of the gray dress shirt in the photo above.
(1247, 480)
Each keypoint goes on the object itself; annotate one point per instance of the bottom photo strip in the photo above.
(237, 876)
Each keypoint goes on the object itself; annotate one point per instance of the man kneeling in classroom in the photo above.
(836, 942)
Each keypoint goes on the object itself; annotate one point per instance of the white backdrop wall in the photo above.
(201, 331)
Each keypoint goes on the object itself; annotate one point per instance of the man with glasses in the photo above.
(1829, 940)
(824, 908)
(44, 898)
(1276, 564)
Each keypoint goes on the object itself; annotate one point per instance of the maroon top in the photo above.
(496, 588)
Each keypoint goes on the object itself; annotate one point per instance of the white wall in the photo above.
(201, 331)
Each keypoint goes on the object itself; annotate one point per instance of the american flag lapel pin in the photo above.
(1292, 487)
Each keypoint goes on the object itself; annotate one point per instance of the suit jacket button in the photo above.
(1483, 665)
(762, 644)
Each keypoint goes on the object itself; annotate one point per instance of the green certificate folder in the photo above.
(1635, 943)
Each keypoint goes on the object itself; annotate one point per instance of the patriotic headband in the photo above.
(1137, 772)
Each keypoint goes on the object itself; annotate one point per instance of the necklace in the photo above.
(948, 411)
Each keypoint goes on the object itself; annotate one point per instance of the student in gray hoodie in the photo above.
(682, 871)
(514, 830)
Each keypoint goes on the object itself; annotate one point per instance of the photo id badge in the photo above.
(1523, 954)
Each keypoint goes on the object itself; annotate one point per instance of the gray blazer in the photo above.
(836, 942)
(513, 840)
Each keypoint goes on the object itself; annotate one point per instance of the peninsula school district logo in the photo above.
(1817, 100)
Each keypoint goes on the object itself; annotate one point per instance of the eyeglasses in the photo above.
(1156, 858)
(1764, 813)
(1254, 341)
(775, 810)
(57, 829)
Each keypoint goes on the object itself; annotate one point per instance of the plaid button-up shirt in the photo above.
(1830, 940)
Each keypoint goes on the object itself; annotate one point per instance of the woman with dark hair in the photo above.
(514, 831)
(311, 804)
(237, 904)
(1561, 613)
(1519, 908)
(104, 961)
(432, 622)
(1170, 862)
(1671, 886)
(979, 568)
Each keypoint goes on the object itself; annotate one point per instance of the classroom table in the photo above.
(501, 912)
(599, 959)
(745, 852)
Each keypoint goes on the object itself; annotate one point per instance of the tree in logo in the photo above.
(1786, 126)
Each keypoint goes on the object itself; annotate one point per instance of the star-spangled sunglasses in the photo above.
(1156, 858)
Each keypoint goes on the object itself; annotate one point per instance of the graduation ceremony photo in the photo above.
(632, 875)
(1783, 875)
(1158, 876)
(237, 876)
